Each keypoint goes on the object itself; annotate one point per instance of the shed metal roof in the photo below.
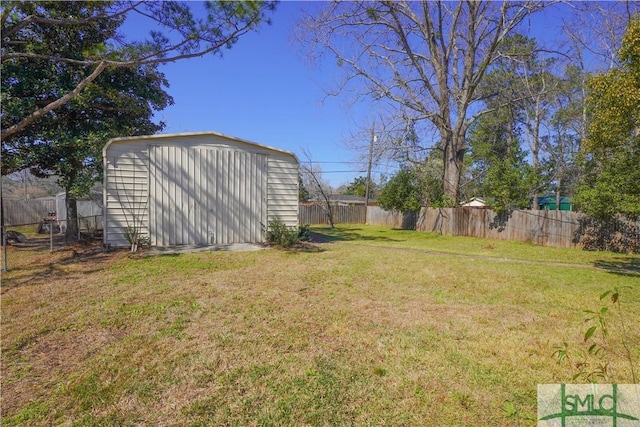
(189, 134)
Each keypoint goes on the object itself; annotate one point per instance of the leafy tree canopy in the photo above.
(67, 141)
(51, 35)
(500, 172)
(403, 192)
(612, 147)
(358, 187)
(71, 81)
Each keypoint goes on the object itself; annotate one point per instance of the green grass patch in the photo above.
(472, 246)
(30, 414)
(377, 327)
(167, 267)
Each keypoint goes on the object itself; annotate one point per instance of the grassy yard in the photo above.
(372, 326)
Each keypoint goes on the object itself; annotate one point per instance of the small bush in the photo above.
(144, 241)
(304, 233)
(277, 233)
(136, 239)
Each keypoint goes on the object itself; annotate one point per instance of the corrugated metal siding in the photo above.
(206, 196)
(283, 190)
(204, 188)
(126, 194)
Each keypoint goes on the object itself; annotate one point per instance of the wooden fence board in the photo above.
(547, 228)
(31, 212)
(25, 212)
(317, 214)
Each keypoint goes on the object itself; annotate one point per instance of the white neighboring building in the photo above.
(474, 202)
(89, 211)
(196, 189)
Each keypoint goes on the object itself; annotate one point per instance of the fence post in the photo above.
(51, 236)
(4, 249)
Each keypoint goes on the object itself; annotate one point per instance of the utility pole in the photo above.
(368, 184)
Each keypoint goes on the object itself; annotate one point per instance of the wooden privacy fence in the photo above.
(548, 228)
(32, 212)
(24, 212)
(317, 214)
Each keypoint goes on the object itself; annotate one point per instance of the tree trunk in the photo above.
(535, 153)
(426, 58)
(454, 150)
(450, 173)
(329, 212)
(71, 232)
(558, 191)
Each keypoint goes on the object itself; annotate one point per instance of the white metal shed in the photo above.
(196, 189)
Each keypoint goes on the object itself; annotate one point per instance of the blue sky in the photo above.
(264, 91)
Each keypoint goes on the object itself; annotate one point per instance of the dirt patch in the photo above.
(64, 352)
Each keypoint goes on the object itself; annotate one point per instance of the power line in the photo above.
(336, 163)
(349, 171)
(344, 163)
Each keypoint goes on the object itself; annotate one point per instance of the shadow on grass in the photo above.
(37, 275)
(629, 267)
(47, 265)
(337, 234)
(305, 247)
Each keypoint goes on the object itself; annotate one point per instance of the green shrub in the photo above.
(136, 239)
(278, 233)
(304, 233)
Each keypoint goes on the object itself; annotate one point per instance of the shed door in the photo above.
(201, 196)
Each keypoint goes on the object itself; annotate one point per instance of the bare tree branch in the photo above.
(424, 57)
(318, 189)
(598, 27)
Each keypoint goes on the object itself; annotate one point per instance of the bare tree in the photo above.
(380, 141)
(424, 58)
(594, 35)
(319, 190)
(597, 28)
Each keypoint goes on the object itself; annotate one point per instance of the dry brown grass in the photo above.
(358, 332)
